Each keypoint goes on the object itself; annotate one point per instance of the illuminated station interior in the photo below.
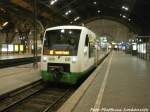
(74, 56)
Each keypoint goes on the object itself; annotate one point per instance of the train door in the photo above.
(92, 49)
(86, 53)
(89, 52)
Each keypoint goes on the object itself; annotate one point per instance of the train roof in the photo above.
(67, 27)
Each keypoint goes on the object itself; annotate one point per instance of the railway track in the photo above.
(36, 98)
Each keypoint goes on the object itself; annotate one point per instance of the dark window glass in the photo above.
(86, 41)
(62, 40)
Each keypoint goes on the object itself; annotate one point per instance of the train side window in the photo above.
(86, 41)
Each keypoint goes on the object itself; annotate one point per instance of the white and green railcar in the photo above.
(69, 53)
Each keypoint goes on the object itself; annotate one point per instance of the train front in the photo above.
(59, 62)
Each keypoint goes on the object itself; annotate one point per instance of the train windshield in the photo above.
(61, 42)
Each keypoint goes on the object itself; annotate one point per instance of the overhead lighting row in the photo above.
(98, 11)
(77, 18)
(52, 2)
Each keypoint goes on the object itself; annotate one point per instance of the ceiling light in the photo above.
(62, 31)
(52, 2)
(123, 16)
(94, 3)
(125, 8)
(68, 12)
(4, 24)
(70, 32)
(77, 18)
(129, 19)
(1, 9)
(98, 11)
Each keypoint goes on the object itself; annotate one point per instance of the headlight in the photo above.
(74, 59)
(44, 59)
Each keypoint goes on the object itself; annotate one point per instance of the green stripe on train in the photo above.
(70, 78)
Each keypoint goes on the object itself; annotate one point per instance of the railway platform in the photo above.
(120, 83)
(7, 57)
(16, 77)
(14, 60)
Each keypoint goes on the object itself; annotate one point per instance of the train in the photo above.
(68, 54)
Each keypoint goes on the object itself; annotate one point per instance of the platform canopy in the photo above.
(133, 13)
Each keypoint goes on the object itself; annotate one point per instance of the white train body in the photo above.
(72, 61)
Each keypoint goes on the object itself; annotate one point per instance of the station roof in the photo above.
(130, 12)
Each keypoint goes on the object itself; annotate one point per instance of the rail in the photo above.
(36, 98)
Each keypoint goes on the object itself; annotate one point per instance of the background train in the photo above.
(69, 53)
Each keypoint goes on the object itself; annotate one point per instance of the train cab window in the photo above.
(62, 40)
(86, 41)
